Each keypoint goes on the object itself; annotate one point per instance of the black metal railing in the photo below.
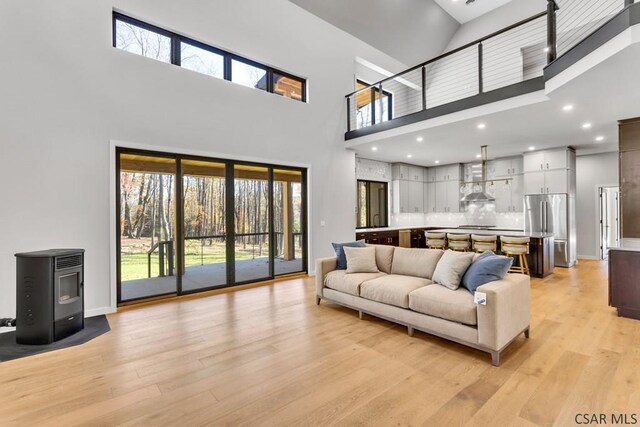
(515, 54)
(165, 258)
(251, 240)
(576, 19)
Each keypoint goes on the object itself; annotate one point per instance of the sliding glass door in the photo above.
(204, 219)
(188, 224)
(147, 214)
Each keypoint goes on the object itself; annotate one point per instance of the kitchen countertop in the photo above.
(373, 230)
(632, 245)
(430, 227)
(496, 232)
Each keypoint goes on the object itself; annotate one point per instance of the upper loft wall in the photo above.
(411, 31)
(502, 17)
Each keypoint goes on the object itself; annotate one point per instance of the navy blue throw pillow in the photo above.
(488, 267)
(342, 257)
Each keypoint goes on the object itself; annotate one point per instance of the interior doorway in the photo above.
(609, 219)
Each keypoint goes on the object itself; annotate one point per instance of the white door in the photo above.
(534, 183)
(533, 162)
(556, 181)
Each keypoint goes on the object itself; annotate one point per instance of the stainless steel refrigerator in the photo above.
(554, 214)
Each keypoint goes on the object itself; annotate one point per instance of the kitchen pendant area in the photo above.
(501, 196)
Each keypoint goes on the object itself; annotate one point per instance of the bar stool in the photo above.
(436, 240)
(459, 242)
(516, 247)
(481, 244)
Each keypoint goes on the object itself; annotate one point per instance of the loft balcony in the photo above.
(514, 61)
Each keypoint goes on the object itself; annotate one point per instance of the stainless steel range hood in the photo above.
(480, 196)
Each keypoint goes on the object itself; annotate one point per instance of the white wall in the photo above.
(592, 172)
(66, 94)
(499, 18)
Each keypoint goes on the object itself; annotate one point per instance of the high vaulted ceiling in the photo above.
(411, 31)
(463, 12)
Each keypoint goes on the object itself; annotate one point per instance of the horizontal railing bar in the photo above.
(459, 49)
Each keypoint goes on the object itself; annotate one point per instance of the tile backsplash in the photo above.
(476, 215)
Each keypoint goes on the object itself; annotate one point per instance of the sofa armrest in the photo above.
(323, 267)
(507, 312)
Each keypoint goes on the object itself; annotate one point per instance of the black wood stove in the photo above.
(50, 295)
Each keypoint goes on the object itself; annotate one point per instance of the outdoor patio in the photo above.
(205, 276)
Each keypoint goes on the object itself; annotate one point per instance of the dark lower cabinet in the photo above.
(541, 256)
(391, 238)
(624, 287)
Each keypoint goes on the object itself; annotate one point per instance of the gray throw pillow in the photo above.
(451, 268)
(361, 260)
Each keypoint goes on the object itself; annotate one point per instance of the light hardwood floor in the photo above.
(270, 356)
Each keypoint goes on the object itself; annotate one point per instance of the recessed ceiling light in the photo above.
(599, 138)
(374, 148)
(532, 148)
(409, 156)
(478, 156)
(586, 126)
(419, 139)
(482, 126)
(437, 161)
(546, 49)
(568, 107)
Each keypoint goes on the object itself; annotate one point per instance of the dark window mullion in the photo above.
(227, 67)
(270, 82)
(176, 57)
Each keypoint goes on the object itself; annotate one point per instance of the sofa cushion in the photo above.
(392, 289)
(438, 301)
(451, 268)
(384, 257)
(342, 258)
(340, 281)
(415, 262)
(488, 268)
(361, 260)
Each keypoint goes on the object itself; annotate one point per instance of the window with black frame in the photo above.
(373, 202)
(368, 105)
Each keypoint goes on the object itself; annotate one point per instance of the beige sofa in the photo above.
(402, 292)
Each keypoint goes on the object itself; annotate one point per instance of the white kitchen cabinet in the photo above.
(503, 168)
(430, 175)
(563, 158)
(534, 182)
(416, 197)
(548, 182)
(453, 196)
(399, 171)
(441, 196)
(429, 197)
(448, 173)
(400, 192)
(416, 174)
(556, 181)
(509, 196)
(556, 159)
(533, 162)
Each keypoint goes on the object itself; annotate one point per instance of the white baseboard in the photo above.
(589, 257)
(98, 311)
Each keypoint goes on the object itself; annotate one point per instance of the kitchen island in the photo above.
(624, 269)
(541, 246)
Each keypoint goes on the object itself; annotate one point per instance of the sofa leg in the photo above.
(360, 315)
(318, 299)
(495, 358)
(526, 333)
(410, 331)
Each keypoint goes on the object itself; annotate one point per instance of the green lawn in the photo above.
(134, 265)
